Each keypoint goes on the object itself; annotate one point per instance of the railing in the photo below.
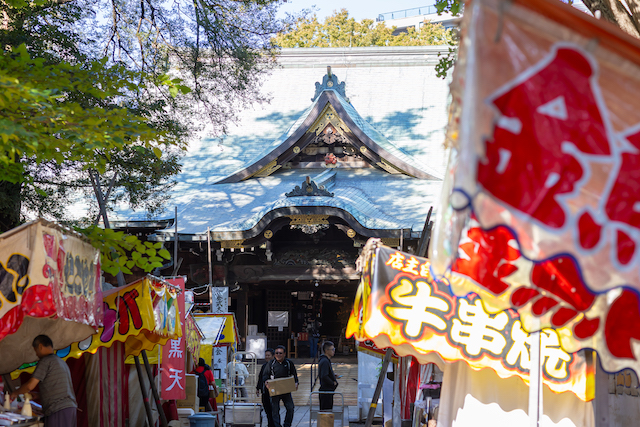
(314, 378)
(338, 409)
(406, 13)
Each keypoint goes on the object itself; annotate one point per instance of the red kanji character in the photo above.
(623, 203)
(623, 324)
(489, 254)
(542, 120)
(563, 285)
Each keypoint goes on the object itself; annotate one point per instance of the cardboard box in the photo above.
(192, 400)
(325, 419)
(281, 386)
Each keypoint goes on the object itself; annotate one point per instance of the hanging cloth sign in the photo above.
(542, 203)
(407, 310)
(173, 356)
(49, 284)
(193, 337)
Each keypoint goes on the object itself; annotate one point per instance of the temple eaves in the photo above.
(332, 117)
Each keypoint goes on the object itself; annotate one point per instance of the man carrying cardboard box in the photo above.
(280, 369)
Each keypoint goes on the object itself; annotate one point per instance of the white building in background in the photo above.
(415, 17)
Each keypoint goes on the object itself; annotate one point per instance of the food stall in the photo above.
(218, 347)
(137, 317)
(400, 306)
(50, 285)
(221, 338)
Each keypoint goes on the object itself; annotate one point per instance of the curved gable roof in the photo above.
(374, 146)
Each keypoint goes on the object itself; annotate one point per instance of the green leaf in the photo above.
(164, 253)
(157, 152)
(112, 270)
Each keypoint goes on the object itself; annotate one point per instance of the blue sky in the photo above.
(358, 9)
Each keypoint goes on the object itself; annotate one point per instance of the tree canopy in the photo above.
(104, 95)
(339, 30)
(117, 88)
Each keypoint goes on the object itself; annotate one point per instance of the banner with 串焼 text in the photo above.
(399, 305)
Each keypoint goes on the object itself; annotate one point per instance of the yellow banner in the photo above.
(193, 337)
(415, 315)
(140, 315)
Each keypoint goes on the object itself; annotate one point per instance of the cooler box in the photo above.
(242, 413)
(183, 416)
(281, 386)
(202, 420)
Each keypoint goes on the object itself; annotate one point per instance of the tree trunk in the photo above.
(10, 204)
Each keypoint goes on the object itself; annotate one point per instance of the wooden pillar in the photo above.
(241, 314)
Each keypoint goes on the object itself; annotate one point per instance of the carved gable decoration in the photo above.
(308, 188)
(330, 81)
(332, 135)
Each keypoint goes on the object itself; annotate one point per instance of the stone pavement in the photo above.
(346, 366)
(301, 416)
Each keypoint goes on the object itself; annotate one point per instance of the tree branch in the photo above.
(615, 12)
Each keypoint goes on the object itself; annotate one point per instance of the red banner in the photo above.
(541, 207)
(173, 356)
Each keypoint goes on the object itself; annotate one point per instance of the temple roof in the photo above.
(392, 104)
(376, 200)
(366, 138)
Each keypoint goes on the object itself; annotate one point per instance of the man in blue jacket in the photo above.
(328, 381)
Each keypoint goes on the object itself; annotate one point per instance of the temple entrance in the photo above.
(328, 304)
(310, 277)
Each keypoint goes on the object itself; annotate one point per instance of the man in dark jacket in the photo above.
(328, 381)
(260, 388)
(281, 367)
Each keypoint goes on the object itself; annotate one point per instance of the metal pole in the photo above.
(175, 244)
(601, 401)
(535, 381)
(210, 270)
(376, 393)
(154, 390)
(145, 397)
